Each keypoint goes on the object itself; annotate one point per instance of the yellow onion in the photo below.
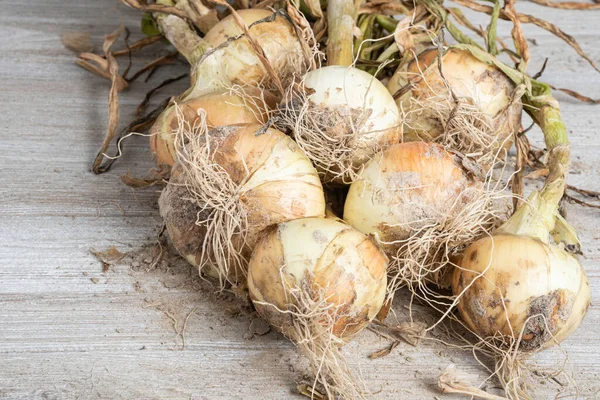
(475, 107)
(318, 255)
(405, 188)
(341, 116)
(319, 282)
(230, 60)
(423, 207)
(219, 109)
(229, 184)
(517, 285)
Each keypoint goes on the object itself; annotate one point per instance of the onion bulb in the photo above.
(421, 205)
(517, 285)
(228, 185)
(518, 293)
(341, 116)
(404, 189)
(530, 288)
(219, 109)
(471, 106)
(229, 59)
(319, 282)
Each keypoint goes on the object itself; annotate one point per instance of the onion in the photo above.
(518, 293)
(340, 117)
(275, 35)
(518, 285)
(319, 282)
(472, 106)
(530, 288)
(422, 206)
(226, 57)
(403, 189)
(229, 184)
(220, 109)
(225, 60)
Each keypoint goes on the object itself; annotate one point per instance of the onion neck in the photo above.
(181, 35)
(539, 215)
(545, 111)
(341, 17)
(535, 218)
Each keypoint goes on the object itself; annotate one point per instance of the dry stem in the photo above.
(530, 19)
(341, 18)
(112, 68)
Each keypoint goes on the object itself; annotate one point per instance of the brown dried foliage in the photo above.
(113, 98)
(568, 5)
(168, 59)
(79, 42)
(155, 8)
(517, 33)
(138, 45)
(529, 19)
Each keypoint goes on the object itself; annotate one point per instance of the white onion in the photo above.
(317, 254)
(518, 285)
(407, 187)
(423, 208)
(527, 287)
(340, 118)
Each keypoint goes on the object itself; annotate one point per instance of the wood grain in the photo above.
(69, 330)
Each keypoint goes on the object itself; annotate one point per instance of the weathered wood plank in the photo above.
(70, 330)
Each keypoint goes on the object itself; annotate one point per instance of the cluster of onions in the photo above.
(459, 101)
(264, 137)
(517, 292)
(423, 207)
(319, 282)
(245, 202)
(231, 176)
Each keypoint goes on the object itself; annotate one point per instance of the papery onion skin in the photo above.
(276, 183)
(314, 254)
(221, 109)
(236, 62)
(406, 187)
(470, 79)
(337, 86)
(524, 279)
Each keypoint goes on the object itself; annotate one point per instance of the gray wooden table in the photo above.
(69, 330)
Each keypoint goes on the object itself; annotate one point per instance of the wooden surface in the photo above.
(69, 330)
